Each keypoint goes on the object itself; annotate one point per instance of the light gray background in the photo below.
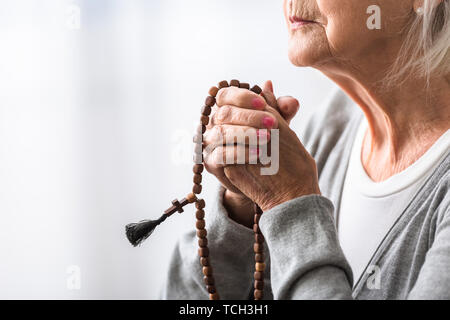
(96, 126)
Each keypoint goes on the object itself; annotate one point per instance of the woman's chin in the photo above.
(308, 48)
(304, 56)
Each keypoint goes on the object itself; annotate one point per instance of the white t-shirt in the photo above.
(369, 209)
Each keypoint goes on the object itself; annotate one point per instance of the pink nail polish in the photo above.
(268, 122)
(257, 103)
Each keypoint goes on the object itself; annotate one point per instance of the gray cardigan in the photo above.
(304, 257)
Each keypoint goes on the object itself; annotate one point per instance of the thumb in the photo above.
(288, 107)
(268, 86)
(269, 96)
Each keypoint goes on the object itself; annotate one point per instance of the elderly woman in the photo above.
(360, 206)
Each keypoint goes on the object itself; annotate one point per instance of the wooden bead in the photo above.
(244, 86)
(260, 266)
(211, 289)
(207, 271)
(203, 243)
(197, 188)
(204, 120)
(191, 197)
(257, 209)
(200, 224)
(201, 233)
(200, 204)
(197, 158)
(259, 285)
(213, 91)
(258, 294)
(206, 110)
(198, 148)
(197, 178)
(256, 89)
(258, 248)
(259, 238)
(259, 257)
(223, 84)
(256, 228)
(198, 138)
(256, 218)
(200, 214)
(203, 252)
(201, 128)
(258, 275)
(208, 280)
(198, 168)
(234, 83)
(214, 296)
(210, 101)
(204, 261)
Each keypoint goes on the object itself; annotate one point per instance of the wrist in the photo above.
(294, 194)
(239, 208)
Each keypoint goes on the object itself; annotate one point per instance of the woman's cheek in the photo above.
(337, 37)
(347, 35)
(345, 24)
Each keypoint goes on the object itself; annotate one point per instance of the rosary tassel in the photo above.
(139, 232)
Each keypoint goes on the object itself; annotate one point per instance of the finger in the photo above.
(243, 117)
(268, 86)
(211, 123)
(269, 95)
(231, 134)
(270, 98)
(242, 98)
(281, 123)
(219, 173)
(288, 107)
(223, 156)
(215, 163)
(239, 177)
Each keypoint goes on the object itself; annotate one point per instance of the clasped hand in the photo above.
(240, 128)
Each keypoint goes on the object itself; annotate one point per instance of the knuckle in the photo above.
(209, 163)
(219, 133)
(251, 118)
(216, 156)
(224, 114)
(207, 152)
(221, 96)
(211, 123)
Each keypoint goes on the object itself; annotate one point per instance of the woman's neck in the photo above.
(404, 122)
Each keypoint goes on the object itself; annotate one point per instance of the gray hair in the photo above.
(426, 50)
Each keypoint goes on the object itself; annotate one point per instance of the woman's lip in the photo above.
(297, 22)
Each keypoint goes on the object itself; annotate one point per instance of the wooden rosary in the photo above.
(138, 232)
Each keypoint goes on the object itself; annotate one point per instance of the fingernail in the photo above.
(268, 122)
(257, 103)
